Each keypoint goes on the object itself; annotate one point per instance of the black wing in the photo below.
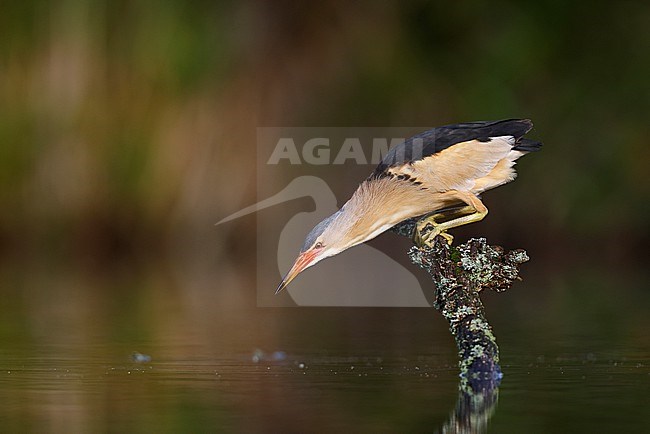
(435, 140)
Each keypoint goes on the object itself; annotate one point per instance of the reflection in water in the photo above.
(67, 344)
(477, 401)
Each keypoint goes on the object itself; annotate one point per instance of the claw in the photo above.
(420, 236)
(447, 236)
(423, 238)
(428, 239)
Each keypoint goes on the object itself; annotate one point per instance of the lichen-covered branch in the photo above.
(459, 274)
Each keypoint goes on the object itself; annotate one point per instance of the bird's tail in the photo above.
(527, 145)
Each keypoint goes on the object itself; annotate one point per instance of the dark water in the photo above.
(573, 361)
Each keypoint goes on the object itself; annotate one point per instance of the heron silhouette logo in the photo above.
(362, 276)
(359, 278)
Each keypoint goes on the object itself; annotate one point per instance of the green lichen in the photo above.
(459, 274)
(477, 351)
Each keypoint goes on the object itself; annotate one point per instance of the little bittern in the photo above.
(437, 175)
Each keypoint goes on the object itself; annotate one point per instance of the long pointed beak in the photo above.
(302, 262)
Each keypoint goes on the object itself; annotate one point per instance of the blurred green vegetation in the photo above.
(113, 114)
(100, 100)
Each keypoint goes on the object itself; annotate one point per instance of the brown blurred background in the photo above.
(127, 129)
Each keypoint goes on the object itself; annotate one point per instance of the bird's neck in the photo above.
(376, 206)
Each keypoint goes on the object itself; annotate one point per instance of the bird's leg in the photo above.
(478, 214)
(473, 212)
(435, 220)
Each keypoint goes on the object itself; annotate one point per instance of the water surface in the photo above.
(573, 361)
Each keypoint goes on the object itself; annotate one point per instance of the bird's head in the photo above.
(329, 237)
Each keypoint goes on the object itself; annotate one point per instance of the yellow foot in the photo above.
(427, 240)
(424, 238)
(447, 236)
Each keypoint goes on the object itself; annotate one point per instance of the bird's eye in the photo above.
(318, 245)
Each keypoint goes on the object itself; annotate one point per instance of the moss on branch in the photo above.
(459, 274)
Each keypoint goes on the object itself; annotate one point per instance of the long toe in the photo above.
(448, 237)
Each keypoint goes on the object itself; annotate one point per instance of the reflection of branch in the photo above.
(459, 273)
(473, 410)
